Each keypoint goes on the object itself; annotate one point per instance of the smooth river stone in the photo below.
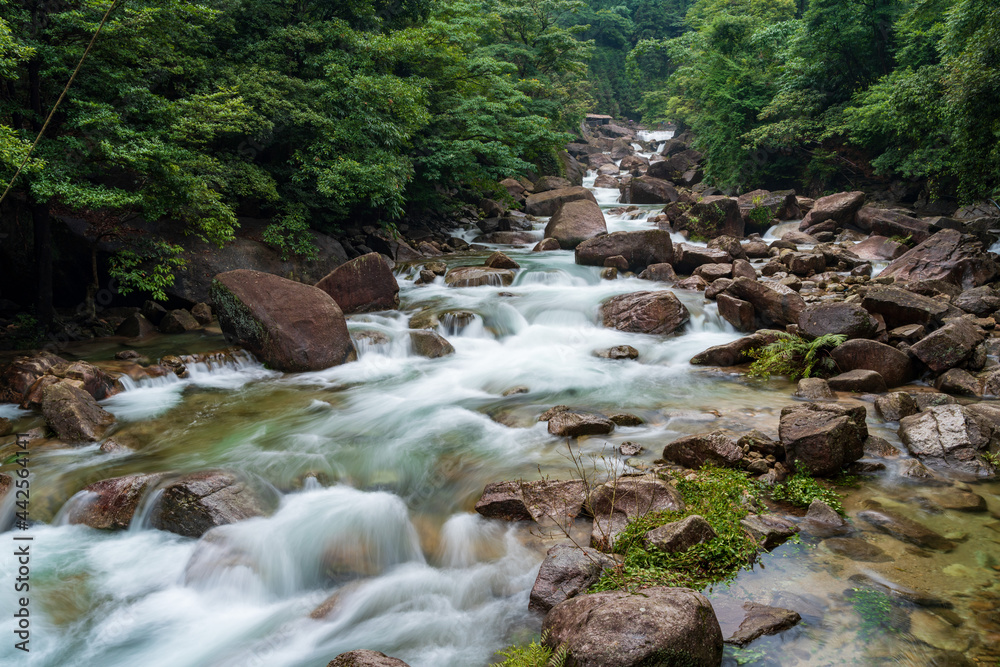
(855, 549)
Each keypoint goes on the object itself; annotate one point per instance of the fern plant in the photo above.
(795, 357)
(535, 654)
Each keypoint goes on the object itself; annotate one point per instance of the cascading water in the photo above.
(374, 544)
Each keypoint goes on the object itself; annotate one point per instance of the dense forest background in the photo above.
(313, 113)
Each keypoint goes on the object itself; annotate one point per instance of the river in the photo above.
(378, 464)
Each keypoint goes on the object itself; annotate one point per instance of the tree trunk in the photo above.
(43, 261)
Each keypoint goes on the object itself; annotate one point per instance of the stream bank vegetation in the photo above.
(793, 356)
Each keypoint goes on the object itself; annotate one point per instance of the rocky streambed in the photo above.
(398, 466)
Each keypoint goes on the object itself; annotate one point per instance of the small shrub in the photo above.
(800, 490)
(535, 654)
(795, 357)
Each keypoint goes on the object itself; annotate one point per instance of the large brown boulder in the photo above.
(774, 304)
(195, 503)
(649, 190)
(623, 499)
(899, 307)
(365, 658)
(694, 451)
(887, 223)
(949, 256)
(689, 257)
(952, 437)
(734, 353)
(659, 626)
(878, 248)
(659, 312)
(822, 438)
(111, 503)
(948, 346)
(711, 217)
(362, 285)
(894, 366)
(567, 571)
(837, 210)
(781, 204)
(178, 321)
(847, 319)
(549, 183)
(539, 500)
(572, 424)
(73, 414)
(18, 376)
(640, 249)
(289, 326)
(544, 204)
(575, 222)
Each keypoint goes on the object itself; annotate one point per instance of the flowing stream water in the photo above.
(378, 463)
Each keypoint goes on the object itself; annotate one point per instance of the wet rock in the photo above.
(836, 210)
(878, 248)
(680, 535)
(879, 448)
(540, 500)
(822, 438)
(958, 382)
(135, 326)
(769, 530)
(195, 503)
(289, 326)
(734, 353)
(694, 451)
(774, 305)
(609, 273)
(567, 571)
(948, 346)
(178, 321)
(980, 301)
(893, 407)
(626, 419)
(575, 222)
(861, 381)
(546, 245)
(739, 313)
(856, 549)
(474, 276)
(659, 272)
(712, 272)
(619, 501)
(898, 307)
(499, 260)
(814, 389)
(73, 414)
(618, 352)
(823, 521)
(364, 284)
(544, 204)
(718, 287)
(173, 364)
(949, 436)
(894, 366)
(949, 256)
(958, 501)
(618, 629)
(847, 319)
(616, 262)
(929, 399)
(17, 376)
(430, 344)
(693, 283)
(553, 411)
(629, 449)
(640, 249)
(365, 658)
(111, 503)
(572, 424)
(711, 217)
(649, 190)
(906, 530)
(743, 622)
(659, 312)
(688, 257)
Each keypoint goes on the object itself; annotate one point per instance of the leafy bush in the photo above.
(800, 490)
(535, 654)
(795, 357)
(723, 497)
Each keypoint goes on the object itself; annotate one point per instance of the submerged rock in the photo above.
(743, 622)
(905, 529)
(856, 549)
(659, 626)
(769, 530)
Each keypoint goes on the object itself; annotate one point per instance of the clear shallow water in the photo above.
(386, 553)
